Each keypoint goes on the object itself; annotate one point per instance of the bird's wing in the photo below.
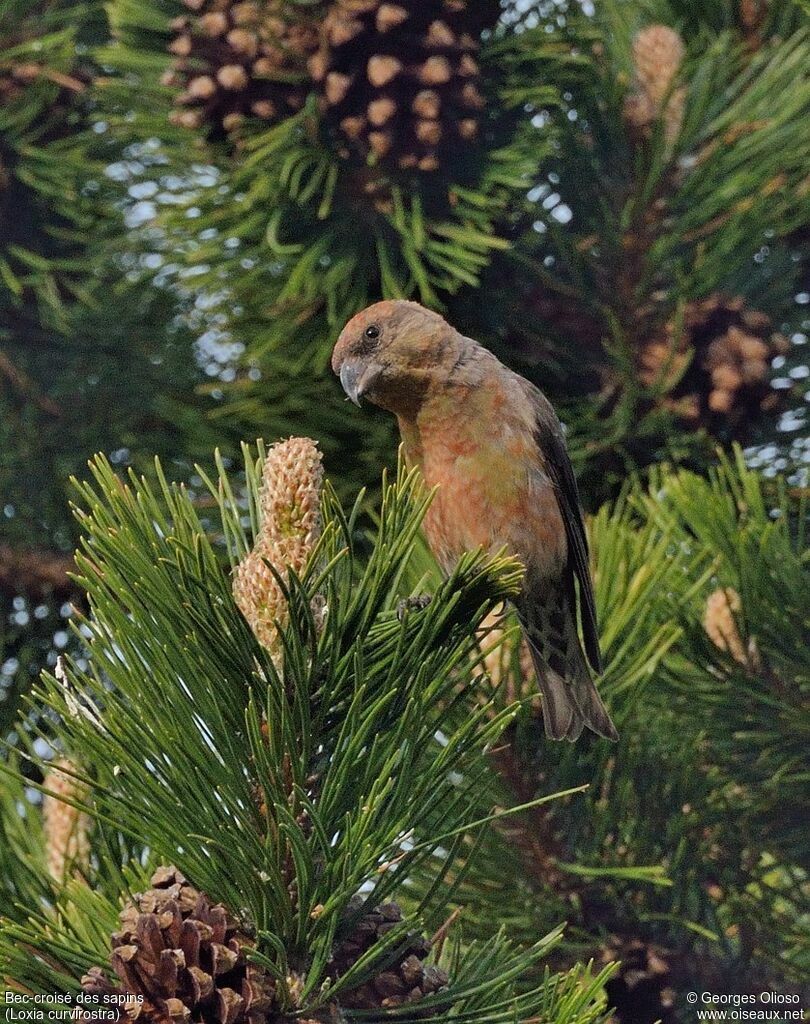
(551, 442)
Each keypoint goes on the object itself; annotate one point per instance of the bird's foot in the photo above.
(412, 604)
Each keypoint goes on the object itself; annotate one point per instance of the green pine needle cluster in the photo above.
(359, 767)
(630, 229)
(565, 241)
(717, 734)
(45, 72)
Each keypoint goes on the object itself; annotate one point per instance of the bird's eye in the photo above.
(372, 332)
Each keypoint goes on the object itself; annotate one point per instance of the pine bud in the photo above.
(265, 109)
(658, 52)
(439, 35)
(435, 71)
(66, 828)
(337, 86)
(726, 377)
(245, 14)
(779, 344)
(264, 67)
(429, 132)
(382, 110)
(214, 23)
(720, 623)
(243, 41)
(467, 67)
(721, 401)
(180, 47)
(380, 143)
(186, 118)
(232, 121)
(202, 88)
(353, 127)
(427, 104)
(288, 533)
(468, 128)
(754, 371)
(471, 97)
(750, 347)
(343, 30)
(232, 76)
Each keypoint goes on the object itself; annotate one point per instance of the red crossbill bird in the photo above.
(491, 444)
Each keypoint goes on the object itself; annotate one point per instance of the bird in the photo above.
(491, 445)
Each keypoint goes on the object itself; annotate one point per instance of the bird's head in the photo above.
(393, 353)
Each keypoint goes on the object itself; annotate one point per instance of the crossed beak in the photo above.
(350, 381)
(358, 378)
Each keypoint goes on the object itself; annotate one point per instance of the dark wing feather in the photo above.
(551, 442)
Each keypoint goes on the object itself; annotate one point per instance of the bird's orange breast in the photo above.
(492, 493)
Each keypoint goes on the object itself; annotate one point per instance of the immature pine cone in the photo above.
(503, 667)
(721, 620)
(289, 530)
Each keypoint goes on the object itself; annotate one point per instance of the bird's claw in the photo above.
(412, 604)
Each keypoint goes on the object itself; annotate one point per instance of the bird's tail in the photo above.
(570, 698)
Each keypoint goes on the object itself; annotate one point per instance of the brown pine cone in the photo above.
(182, 959)
(399, 82)
(406, 980)
(240, 59)
(714, 366)
(642, 992)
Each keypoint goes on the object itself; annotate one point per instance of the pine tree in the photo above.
(194, 195)
(43, 95)
(670, 247)
(280, 820)
(73, 380)
(580, 230)
(702, 593)
(216, 723)
(309, 216)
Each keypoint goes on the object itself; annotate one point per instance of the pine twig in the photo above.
(36, 573)
(24, 386)
(531, 831)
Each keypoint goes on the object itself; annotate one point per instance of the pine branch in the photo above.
(303, 783)
(23, 384)
(701, 591)
(532, 833)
